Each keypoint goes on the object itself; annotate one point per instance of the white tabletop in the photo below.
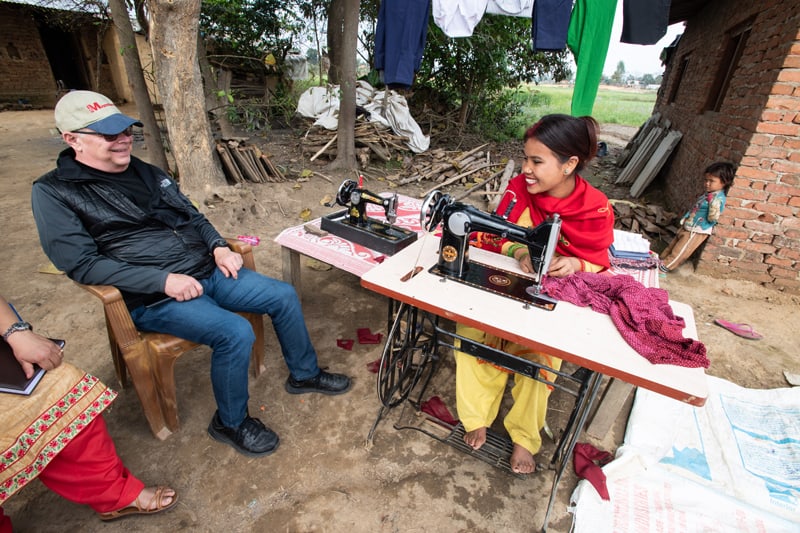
(579, 335)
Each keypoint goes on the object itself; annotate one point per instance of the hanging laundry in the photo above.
(400, 37)
(644, 21)
(588, 37)
(511, 8)
(458, 18)
(549, 24)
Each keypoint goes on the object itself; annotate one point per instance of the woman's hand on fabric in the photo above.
(182, 287)
(562, 266)
(31, 348)
(228, 261)
(524, 259)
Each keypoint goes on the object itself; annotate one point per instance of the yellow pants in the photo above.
(480, 387)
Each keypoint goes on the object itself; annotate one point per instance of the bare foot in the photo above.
(475, 438)
(522, 460)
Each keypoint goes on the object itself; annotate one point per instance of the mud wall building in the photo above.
(45, 52)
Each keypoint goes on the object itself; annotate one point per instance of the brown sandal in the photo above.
(137, 508)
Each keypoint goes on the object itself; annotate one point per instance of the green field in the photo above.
(612, 106)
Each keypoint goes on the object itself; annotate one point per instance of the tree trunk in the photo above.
(345, 144)
(173, 36)
(336, 14)
(133, 68)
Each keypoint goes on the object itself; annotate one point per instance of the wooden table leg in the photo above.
(291, 267)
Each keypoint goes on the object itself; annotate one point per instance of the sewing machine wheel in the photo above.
(431, 212)
(345, 190)
(406, 355)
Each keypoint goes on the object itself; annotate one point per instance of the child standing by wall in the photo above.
(698, 223)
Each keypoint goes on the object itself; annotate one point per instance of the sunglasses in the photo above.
(127, 132)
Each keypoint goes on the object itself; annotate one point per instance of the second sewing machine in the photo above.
(354, 225)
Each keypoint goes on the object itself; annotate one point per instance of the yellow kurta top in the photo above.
(36, 428)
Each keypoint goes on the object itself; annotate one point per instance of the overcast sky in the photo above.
(638, 59)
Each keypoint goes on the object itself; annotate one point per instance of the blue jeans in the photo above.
(211, 319)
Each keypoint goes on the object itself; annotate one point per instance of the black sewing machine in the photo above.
(354, 225)
(460, 220)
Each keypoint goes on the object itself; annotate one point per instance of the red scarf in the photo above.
(587, 219)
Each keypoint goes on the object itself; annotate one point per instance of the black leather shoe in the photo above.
(251, 438)
(325, 382)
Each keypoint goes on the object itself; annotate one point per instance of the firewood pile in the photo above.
(473, 169)
(650, 220)
(378, 139)
(243, 163)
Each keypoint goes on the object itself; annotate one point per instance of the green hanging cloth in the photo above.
(588, 37)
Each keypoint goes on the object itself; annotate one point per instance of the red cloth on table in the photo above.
(583, 460)
(642, 315)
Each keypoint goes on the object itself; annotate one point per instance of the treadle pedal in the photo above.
(496, 451)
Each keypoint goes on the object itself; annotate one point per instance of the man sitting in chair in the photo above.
(108, 218)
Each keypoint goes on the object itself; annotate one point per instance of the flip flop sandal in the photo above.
(742, 330)
(137, 508)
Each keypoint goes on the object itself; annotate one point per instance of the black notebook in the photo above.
(12, 377)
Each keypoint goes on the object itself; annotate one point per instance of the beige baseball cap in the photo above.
(86, 109)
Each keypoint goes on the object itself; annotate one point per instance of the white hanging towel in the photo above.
(458, 18)
(511, 8)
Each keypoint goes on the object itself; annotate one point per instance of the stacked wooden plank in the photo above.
(646, 154)
(243, 163)
(650, 220)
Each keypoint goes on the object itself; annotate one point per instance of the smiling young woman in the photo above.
(556, 149)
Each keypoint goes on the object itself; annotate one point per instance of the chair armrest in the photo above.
(118, 317)
(245, 250)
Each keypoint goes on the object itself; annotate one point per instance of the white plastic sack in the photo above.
(731, 465)
(322, 104)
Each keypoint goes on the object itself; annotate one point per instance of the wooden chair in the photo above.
(150, 358)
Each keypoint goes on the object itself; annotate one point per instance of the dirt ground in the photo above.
(325, 477)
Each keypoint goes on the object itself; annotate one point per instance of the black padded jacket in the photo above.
(98, 236)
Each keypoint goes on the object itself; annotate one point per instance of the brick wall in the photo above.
(757, 127)
(24, 70)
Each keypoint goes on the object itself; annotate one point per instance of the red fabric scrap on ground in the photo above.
(345, 344)
(435, 407)
(365, 336)
(583, 460)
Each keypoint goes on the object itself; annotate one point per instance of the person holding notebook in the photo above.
(57, 433)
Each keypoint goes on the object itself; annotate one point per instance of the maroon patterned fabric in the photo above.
(642, 315)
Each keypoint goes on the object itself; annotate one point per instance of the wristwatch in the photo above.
(219, 243)
(15, 327)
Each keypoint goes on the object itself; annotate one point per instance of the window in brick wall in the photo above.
(737, 39)
(12, 51)
(678, 78)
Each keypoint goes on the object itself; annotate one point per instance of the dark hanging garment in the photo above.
(400, 39)
(549, 24)
(644, 21)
